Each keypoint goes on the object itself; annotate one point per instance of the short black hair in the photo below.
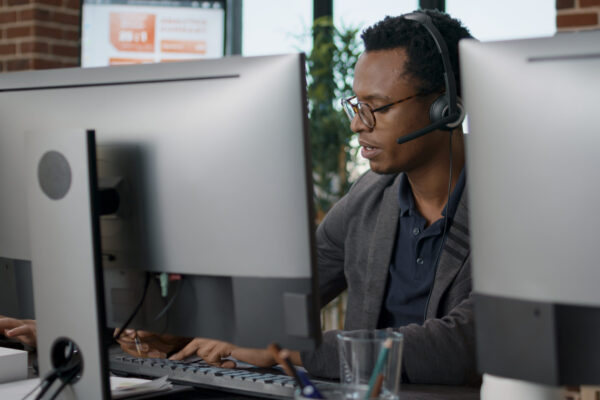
(424, 60)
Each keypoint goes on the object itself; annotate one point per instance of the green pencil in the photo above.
(378, 366)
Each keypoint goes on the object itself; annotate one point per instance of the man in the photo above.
(398, 241)
(384, 241)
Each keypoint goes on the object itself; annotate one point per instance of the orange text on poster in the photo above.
(124, 61)
(132, 31)
(183, 46)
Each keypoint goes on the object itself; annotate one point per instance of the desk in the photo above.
(408, 392)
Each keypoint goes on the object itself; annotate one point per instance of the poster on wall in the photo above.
(117, 32)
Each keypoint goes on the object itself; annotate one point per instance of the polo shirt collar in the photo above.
(407, 201)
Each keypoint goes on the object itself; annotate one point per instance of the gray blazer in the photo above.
(355, 243)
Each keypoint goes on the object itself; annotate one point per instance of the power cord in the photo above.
(65, 382)
(136, 310)
(171, 300)
(65, 373)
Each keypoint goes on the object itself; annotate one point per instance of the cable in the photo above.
(46, 383)
(33, 390)
(170, 302)
(439, 252)
(70, 370)
(136, 310)
(65, 382)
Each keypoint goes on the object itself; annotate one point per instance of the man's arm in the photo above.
(441, 351)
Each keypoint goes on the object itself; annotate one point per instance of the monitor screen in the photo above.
(210, 162)
(148, 31)
(533, 162)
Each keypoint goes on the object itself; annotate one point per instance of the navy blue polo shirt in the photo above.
(414, 262)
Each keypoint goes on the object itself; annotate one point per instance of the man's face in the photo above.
(378, 80)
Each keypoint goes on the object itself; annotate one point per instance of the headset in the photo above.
(446, 112)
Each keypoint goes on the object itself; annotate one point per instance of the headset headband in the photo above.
(440, 43)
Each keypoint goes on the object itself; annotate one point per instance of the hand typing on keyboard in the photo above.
(151, 345)
(215, 352)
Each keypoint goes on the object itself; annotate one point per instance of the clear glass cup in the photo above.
(359, 352)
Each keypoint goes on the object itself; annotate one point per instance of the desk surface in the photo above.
(408, 392)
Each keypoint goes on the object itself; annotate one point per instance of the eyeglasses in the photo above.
(366, 112)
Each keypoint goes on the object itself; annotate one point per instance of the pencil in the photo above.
(378, 367)
(377, 387)
(138, 344)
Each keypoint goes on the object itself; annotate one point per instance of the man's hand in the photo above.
(151, 345)
(215, 352)
(23, 330)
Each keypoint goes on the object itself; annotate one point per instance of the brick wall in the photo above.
(39, 34)
(574, 15)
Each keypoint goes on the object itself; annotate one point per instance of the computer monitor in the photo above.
(533, 163)
(210, 161)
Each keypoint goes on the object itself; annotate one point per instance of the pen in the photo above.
(307, 388)
(378, 366)
(138, 344)
(289, 369)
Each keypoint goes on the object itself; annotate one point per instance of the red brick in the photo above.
(67, 19)
(45, 31)
(39, 63)
(72, 4)
(9, 16)
(49, 2)
(65, 51)
(562, 4)
(70, 64)
(18, 31)
(73, 36)
(6, 49)
(35, 14)
(576, 20)
(34, 47)
(18, 65)
(589, 3)
(16, 2)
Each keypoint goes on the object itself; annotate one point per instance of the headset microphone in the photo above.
(429, 128)
(446, 112)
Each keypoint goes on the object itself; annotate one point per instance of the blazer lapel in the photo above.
(456, 251)
(380, 254)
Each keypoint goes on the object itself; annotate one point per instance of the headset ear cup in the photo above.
(460, 118)
(439, 109)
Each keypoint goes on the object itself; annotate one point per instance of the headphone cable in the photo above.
(437, 257)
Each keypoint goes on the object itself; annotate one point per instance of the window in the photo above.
(276, 27)
(507, 19)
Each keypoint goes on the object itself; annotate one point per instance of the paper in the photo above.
(123, 387)
(120, 387)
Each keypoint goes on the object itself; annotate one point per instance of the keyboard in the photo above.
(251, 381)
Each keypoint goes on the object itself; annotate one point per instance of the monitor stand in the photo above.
(66, 259)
